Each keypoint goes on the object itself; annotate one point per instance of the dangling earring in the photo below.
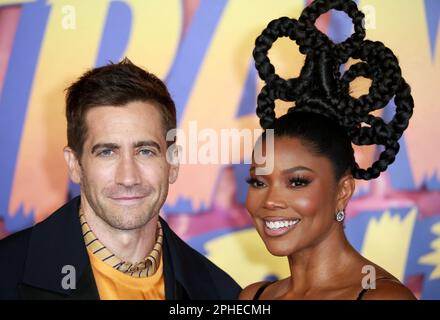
(340, 216)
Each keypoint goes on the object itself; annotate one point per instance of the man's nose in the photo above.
(128, 173)
(274, 200)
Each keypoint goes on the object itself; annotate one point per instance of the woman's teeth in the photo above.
(275, 225)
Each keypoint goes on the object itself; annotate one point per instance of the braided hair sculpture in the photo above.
(321, 90)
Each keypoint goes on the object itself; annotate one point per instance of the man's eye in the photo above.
(106, 153)
(255, 183)
(146, 152)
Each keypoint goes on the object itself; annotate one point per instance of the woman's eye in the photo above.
(298, 182)
(255, 183)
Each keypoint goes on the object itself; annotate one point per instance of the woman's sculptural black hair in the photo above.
(320, 89)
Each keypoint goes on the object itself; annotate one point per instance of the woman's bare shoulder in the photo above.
(389, 289)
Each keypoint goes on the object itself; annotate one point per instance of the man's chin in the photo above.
(127, 227)
(127, 217)
(128, 224)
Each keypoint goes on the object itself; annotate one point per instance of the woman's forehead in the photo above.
(292, 152)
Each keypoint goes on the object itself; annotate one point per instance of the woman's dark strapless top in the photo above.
(265, 285)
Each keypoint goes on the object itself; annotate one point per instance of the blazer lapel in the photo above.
(56, 243)
(85, 290)
(185, 278)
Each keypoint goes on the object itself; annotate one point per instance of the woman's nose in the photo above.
(274, 200)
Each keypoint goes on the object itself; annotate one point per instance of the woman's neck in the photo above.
(321, 265)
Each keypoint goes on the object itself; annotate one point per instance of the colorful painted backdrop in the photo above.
(202, 49)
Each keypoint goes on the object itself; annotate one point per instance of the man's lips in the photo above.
(128, 199)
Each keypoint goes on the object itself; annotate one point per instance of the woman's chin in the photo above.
(280, 251)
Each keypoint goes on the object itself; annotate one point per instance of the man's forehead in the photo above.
(124, 124)
(135, 108)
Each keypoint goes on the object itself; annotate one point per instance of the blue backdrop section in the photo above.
(433, 15)
(419, 248)
(14, 101)
(116, 33)
(191, 51)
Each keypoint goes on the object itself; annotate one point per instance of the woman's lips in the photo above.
(275, 227)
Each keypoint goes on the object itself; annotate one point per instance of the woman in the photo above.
(298, 208)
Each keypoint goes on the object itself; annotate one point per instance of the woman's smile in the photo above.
(278, 226)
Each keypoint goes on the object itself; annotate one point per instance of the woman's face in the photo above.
(294, 206)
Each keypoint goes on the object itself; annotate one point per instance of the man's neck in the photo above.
(128, 245)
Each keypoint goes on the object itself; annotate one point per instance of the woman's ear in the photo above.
(346, 187)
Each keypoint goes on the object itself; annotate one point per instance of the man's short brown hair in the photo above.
(114, 85)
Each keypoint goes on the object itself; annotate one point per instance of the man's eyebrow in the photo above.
(144, 143)
(104, 146)
(147, 143)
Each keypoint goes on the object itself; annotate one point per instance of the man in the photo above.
(110, 243)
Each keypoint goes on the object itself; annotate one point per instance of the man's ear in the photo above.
(72, 164)
(173, 160)
(346, 188)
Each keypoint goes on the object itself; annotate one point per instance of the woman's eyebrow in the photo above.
(290, 170)
(297, 168)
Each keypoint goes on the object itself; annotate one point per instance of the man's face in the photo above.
(123, 171)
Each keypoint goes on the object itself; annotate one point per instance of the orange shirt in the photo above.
(115, 285)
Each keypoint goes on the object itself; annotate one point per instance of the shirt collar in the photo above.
(145, 268)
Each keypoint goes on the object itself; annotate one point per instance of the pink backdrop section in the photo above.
(8, 24)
